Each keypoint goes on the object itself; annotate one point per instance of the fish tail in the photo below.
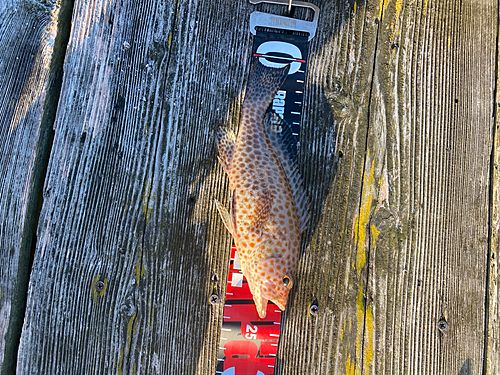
(264, 82)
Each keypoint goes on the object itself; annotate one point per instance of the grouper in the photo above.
(268, 206)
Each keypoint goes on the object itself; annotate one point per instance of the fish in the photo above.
(268, 207)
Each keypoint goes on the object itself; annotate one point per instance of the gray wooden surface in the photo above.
(396, 150)
(27, 38)
(493, 337)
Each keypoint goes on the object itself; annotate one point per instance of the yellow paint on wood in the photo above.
(425, 7)
(131, 328)
(361, 222)
(120, 362)
(374, 233)
(382, 8)
(364, 311)
(360, 322)
(369, 339)
(350, 366)
(138, 272)
(354, 8)
(364, 333)
(342, 329)
(399, 8)
(169, 39)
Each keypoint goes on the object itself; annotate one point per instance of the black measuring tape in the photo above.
(249, 344)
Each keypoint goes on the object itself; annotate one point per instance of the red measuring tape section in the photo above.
(249, 344)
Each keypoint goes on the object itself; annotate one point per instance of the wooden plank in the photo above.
(27, 41)
(428, 169)
(333, 147)
(129, 237)
(493, 338)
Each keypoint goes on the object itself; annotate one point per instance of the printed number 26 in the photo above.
(251, 332)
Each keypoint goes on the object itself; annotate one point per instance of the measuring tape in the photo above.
(249, 344)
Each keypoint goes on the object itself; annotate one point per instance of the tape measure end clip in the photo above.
(274, 21)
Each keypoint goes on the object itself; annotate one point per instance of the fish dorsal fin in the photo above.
(285, 146)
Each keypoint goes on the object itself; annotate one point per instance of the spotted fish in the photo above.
(268, 209)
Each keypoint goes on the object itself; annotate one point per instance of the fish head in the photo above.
(270, 281)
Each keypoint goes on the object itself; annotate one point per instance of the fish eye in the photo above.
(287, 281)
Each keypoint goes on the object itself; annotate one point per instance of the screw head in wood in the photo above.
(99, 286)
(443, 325)
(314, 308)
(214, 299)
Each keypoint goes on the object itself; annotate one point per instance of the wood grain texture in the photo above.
(27, 37)
(429, 148)
(493, 337)
(128, 231)
(333, 144)
(395, 152)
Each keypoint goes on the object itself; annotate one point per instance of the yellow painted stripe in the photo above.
(362, 221)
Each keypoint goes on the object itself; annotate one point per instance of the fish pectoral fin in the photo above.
(260, 301)
(260, 305)
(226, 140)
(284, 145)
(226, 218)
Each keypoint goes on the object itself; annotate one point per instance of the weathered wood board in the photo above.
(27, 38)
(128, 230)
(493, 335)
(413, 252)
(395, 150)
(428, 168)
